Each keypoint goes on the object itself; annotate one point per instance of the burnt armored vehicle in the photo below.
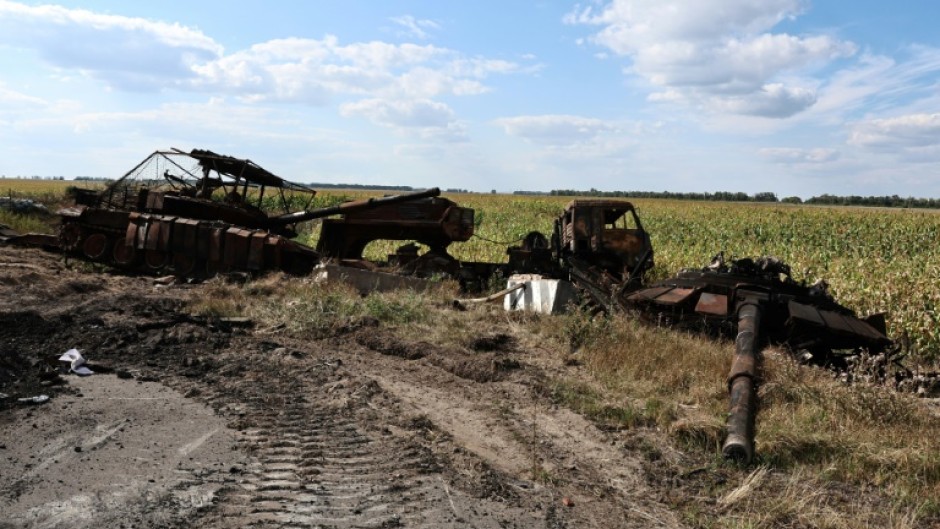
(599, 245)
(758, 302)
(433, 221)
(199, 213)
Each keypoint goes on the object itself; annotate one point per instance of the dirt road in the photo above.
(194, 423)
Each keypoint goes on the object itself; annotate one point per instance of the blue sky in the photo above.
(789, 96)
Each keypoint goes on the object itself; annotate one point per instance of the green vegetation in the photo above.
(310, 310)
(23, 223)
(875, 260)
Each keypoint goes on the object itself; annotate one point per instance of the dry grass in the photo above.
(814, 432)
(306, 308)
(24, 223)
(829, 455)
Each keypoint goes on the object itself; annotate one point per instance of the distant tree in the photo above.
(792, 200)
(765, 196)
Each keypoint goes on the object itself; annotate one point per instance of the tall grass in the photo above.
(812, 430)
(309, 309)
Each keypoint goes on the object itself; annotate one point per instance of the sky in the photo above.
(794, 97)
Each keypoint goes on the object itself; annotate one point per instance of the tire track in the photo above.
(321, 456)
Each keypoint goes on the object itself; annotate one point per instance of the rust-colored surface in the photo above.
(161, 216)
(710, 304)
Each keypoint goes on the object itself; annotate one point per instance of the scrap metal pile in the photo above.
(199, 213)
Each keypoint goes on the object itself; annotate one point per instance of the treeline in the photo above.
(93, 179)
(720, 196)
(893, 201)
(365, 187)
(33, 177)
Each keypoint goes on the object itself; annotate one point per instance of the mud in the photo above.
(194, 423)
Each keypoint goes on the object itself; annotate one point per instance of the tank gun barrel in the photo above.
(349, 207)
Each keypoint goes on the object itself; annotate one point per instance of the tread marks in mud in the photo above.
(313, 464)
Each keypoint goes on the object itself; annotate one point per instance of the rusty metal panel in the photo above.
(130, 234)
(142, 227)
(155, 201)
(273, 250)
(178, 239)
(152, 234)
(648, 293)
(203, 241)
(836, 321)
(256, 250)
(581, 225)
(215, 245)
(676, 296)
(185, 232)
(712, 304)
(107, 218)
(166, 233)
(158, 227)
(805, 313)
(235, 249)
(839, 323)
(850, 325)
(863, 328)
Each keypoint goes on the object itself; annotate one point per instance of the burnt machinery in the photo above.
(599, 245)
(433, 221)
(757, 301)
(198, 213)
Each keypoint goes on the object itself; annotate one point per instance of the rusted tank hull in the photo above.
(756, 301)
(187, 247)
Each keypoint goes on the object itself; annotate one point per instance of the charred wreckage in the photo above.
(199, 213)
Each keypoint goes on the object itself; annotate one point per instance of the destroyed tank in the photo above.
(435, 222)
(198, 213)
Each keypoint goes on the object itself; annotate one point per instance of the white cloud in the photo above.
(916, 130)
(139, 54)
(555, 129)
(877, 83)
(132, 53)
(718, 54)
(914, 137)
(311, 71)
(771, 101)
(789, 155)
(429, 119)
(17, 100)
(416, 28)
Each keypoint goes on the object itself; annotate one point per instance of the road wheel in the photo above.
(123, 254)
(96, 246)
(156, 259)
(183, 265)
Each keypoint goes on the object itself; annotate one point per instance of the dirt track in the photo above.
(255, 429)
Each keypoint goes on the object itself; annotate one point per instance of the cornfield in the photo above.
(875, 260)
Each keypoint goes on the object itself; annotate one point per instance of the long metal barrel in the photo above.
(348, 207)
(739, 445)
